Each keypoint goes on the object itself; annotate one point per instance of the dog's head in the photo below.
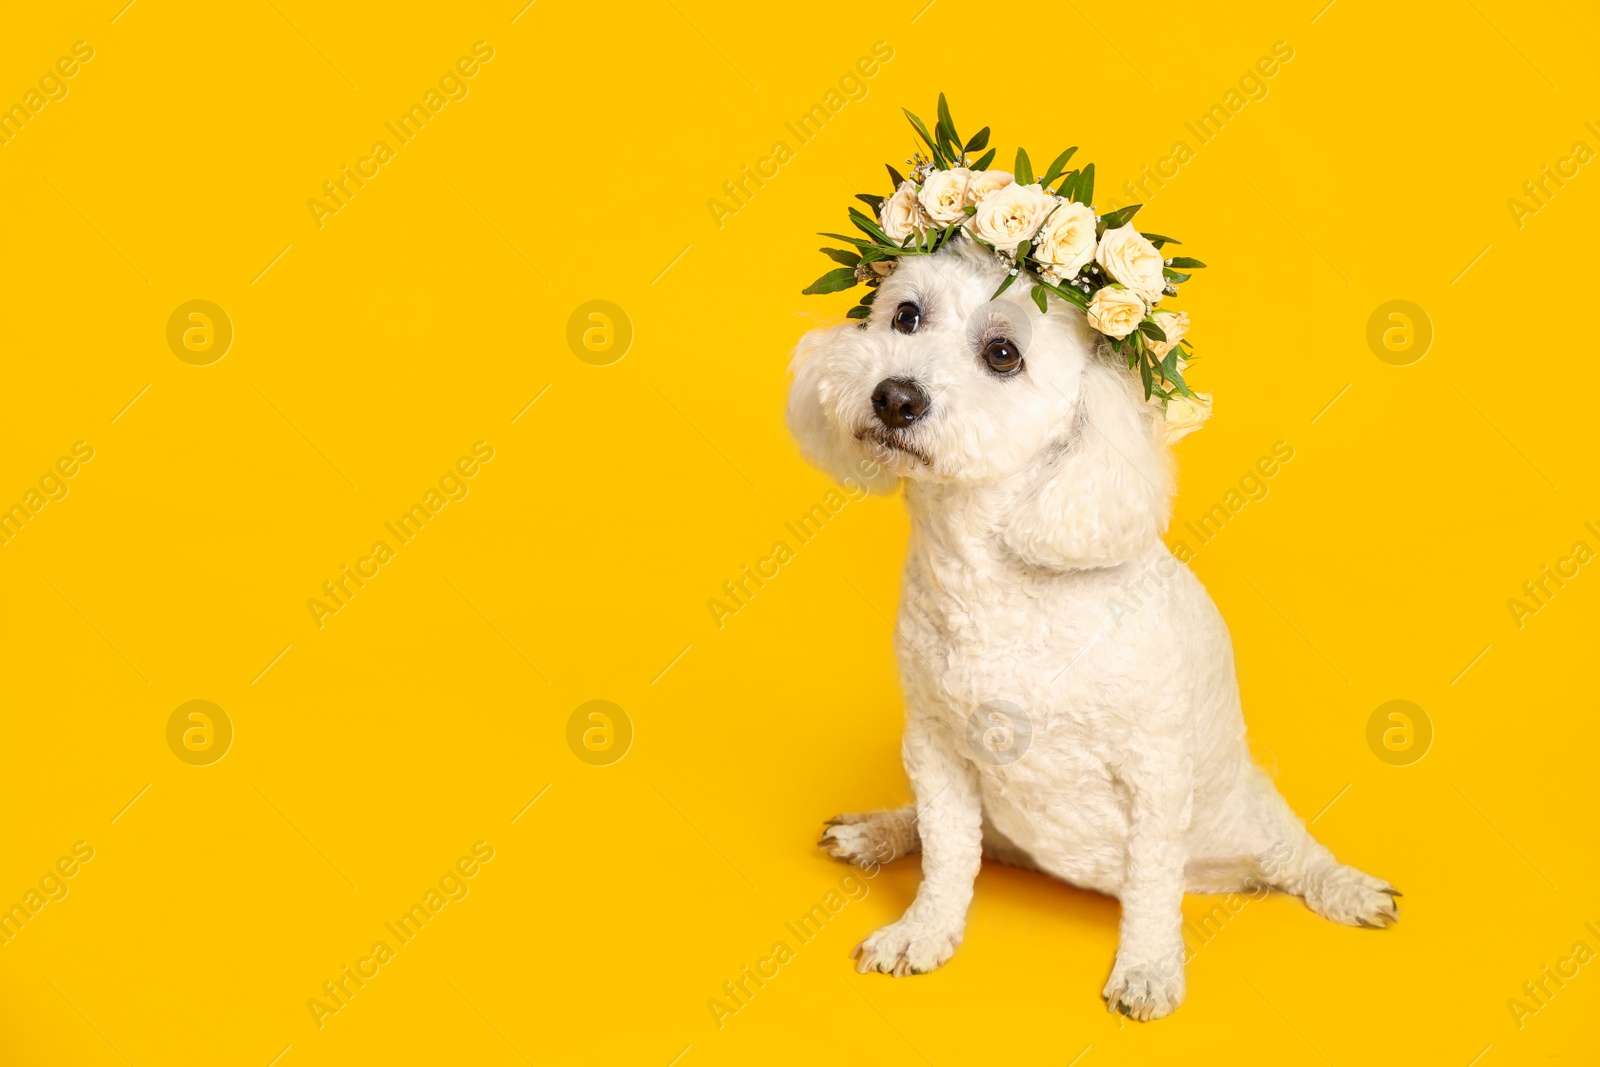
(946, 385)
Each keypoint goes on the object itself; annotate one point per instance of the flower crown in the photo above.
(1099, 264)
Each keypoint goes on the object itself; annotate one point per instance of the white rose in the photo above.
(1066, 243)
(1007, 218)
(1116, 312)
(901, 214)
(944, 194)
(1133, 261)
(980, 183)
(1185, 415)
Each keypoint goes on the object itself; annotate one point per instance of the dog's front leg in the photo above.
(1147, 979)
(950, 822)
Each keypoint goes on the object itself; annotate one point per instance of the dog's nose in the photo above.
(898, 402)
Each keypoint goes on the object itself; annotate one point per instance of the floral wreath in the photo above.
(1099, 264)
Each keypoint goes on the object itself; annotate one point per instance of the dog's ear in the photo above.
(1103, 493)
(827, 445)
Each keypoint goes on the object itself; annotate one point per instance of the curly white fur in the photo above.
(1070, 690)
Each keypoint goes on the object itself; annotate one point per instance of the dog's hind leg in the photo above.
(1288, 858)
(875, 837)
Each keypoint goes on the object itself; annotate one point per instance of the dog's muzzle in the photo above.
(899, 402)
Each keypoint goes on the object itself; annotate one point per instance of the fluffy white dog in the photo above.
(1071, 704)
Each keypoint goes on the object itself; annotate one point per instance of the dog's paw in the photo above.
(869, 838)
(1355, 898)
(1144, 991)
(906, 947)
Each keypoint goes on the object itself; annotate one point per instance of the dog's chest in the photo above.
(979, 631)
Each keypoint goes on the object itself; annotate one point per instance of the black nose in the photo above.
(899, 402)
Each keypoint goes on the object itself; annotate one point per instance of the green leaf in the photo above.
(832, 282)
(1039, 298)
(839, 255)
(866, 301)
(869, 226)
(1122, 216)
(922, 130)
(1172, 275)
(884, 251)
(1086, 185)
(979, 141)
(947, 122)
(1058, 166)
(1070, 295)
(1023, 171)
(1068, 186)
(858, 312)
(857, 241)
(1150, 329)
(872, 199)
(1174, 375)
(1159, 239)
(895, 177)
(1006, 284)
(984, 160)
(1023, 249)
(1146, 376)
(1185, 263)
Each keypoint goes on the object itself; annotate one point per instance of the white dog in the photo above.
(1071, 704)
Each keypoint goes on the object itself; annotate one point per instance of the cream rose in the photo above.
(944, 194)
(1132, 260)
(901, 215)
(1185, 415)
(1007, 218)
(1175, 324)
(1116, 312)
(980, 183)
(1066, 243)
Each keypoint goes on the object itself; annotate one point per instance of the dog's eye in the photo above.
(1002, 356)
(907, 317)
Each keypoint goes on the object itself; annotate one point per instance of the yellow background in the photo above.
(430, 711)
